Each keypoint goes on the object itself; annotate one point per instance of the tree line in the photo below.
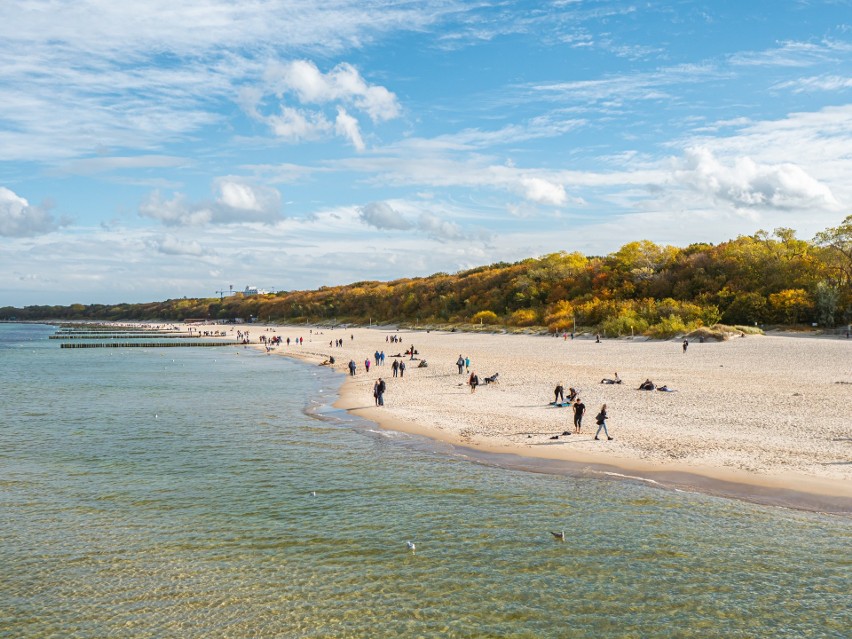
(642, 288)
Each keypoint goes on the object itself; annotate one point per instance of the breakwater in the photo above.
(123, 336)
(144, 344)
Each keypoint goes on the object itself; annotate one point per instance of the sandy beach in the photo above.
(767, 418)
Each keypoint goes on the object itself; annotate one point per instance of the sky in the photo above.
(164, 149)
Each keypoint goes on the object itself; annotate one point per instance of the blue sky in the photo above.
(163, 149)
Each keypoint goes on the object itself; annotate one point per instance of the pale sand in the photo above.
(756, 414)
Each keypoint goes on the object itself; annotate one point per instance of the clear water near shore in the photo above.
(167, 493)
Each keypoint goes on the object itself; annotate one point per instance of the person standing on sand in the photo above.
(401, 368)
(467, 364)
(601, 418)
(367, 364)
(685, 345)
(380, 392)
(559, 394)
(460, 364)
(579, 410)
(395, 367)
(473, 381)
(352, 367)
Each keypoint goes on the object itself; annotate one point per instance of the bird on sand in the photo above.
(558, 535)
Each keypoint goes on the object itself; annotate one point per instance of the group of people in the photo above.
(463, 363)
(579, 410)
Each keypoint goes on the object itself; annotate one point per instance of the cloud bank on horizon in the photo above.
(158, 150)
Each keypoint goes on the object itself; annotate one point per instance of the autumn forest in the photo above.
(643, 288)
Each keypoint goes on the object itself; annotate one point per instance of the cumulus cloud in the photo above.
(383, 216)
(544, 192)
(237, 201)
(295, 125)
(439, 229)
(308, 98)
(412, 217)
(746, 183)
(19, 219)
(170, 245)
(347, 126)
(342, 84)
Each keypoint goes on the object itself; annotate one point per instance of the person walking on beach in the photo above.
(685, 345)
(367, 364)
(473, 381)
(401, 368)
(352, 367)
(559, 394)
(579, 410)
(395, 367)
(601, 418)
(460, 364)
(467, 364)
(379, 392)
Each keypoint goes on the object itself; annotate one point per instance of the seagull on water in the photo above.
(313, 493)
(558, 535)
(411, 546)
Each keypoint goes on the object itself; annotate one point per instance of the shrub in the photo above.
(668, 327)
(485, 317)
(524, 317)
(627, 322)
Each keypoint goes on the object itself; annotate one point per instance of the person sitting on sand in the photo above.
(572, 394)
(647, 385)
(492, 379)
(666, 389)
(614, 380)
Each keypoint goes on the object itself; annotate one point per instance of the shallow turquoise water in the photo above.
(166, 493)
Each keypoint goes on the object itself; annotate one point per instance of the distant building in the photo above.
(253, 290)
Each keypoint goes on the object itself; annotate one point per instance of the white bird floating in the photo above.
(411, 545)
(558, 535)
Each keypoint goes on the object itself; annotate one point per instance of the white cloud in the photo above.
(347, 126)
(747, 183)
(383, 216)
(831, 83)
(544, 192)
(342, 84)
(439, 229)
(295, 125)
(233, 193)
(19, 219)
(236, 202)
(302, 82)
(170, 245)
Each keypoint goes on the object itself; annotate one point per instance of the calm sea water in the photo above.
(166, 493)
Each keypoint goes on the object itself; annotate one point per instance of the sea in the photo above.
(215, 492)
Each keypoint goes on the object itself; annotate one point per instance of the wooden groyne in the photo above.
(121, 336)
(145, 344)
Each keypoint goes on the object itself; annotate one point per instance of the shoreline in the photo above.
(760, 439)
(795, 492)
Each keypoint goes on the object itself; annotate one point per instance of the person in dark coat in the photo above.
(579, 410)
